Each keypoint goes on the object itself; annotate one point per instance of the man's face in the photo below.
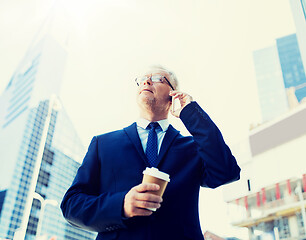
(154, 94)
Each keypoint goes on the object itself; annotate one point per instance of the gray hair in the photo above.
(173, 79)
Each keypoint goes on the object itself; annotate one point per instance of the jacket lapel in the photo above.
(132, 133)
(171, 133)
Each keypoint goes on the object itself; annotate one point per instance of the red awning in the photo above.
(258, 199)
(246, 202)
(277, 191)
(289, 186)
(263, 190)
(304, 182)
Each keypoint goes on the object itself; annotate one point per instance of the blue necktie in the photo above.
(151, 150)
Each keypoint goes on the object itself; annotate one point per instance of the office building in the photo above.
(280, 77)
(271, 90)
(32, 121)
(292, 65)
(269, 199)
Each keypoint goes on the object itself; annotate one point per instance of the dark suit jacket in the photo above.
(114, 164)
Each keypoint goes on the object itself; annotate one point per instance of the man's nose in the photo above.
(148, 81)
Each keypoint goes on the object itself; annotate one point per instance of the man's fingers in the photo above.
(173, 93)
(145, 204)
(148, 197)
(144, 187)
(141, 212)
(176, 94)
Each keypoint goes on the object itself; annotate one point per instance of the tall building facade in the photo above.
(298, 8)
(292, 65)
(271, 90)
(280, 77)
(28, 108)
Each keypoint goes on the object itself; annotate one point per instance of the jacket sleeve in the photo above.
(82, 204)
(219, 165)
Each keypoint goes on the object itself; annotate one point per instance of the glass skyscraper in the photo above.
(292, 65)
(279, 72)
(303, 5)
(24, 110)
(271, 89)
(298, 8)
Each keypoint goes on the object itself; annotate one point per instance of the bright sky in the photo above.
(207, 43)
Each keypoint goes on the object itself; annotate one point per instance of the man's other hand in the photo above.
(138, 199)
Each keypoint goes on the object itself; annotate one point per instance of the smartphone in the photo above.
(175, 104)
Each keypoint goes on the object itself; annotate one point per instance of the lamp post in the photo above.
(21, 232)
(43, 203)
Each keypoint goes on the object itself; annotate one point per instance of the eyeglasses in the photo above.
(154, 79)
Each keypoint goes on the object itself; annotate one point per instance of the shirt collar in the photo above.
(143, 123)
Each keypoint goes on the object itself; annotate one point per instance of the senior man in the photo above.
(107, 195)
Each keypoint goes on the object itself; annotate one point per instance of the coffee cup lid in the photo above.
(156, 173)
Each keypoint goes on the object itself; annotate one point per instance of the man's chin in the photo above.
(146, 100)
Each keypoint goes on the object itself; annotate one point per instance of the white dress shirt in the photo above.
(143, 132)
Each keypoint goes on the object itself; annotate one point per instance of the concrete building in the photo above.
(39, 148)
(270, 197)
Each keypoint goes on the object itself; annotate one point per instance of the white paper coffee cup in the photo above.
(153, 175)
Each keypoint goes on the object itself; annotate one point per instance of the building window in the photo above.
(283, 227)
(32, 225)
(48, 156)
(303, 3)
(43, 177)
(300, 223)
